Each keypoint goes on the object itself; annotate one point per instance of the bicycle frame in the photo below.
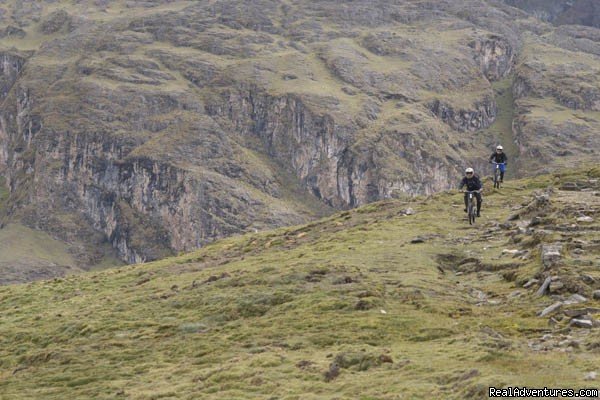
(471, 211)
(497, 172)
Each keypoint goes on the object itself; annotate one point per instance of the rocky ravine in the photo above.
(166, 127)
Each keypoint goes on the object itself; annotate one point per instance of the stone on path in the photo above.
(542, 290)
(582, 323)
(551, 309)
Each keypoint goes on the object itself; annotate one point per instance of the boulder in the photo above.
(551, 255)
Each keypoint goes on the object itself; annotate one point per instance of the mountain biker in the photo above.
(473, 185)
(499, 157)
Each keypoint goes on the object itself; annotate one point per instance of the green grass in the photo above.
(500, 132)
(18, 243)
(265, 315)
(27, 254)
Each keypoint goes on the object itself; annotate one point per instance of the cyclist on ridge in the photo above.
(499, 157)
(473, 185)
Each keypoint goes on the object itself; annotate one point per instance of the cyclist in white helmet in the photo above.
(473, 184)
(500, 158)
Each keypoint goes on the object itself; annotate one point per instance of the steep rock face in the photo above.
(309, 144)
(495, 56)
(466, 120)
(11, 65)
(146, 207)
(319, 150)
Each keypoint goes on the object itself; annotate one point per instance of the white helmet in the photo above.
(469, 170)
(499, 147)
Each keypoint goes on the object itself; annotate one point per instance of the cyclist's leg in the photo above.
(479, 201)
(502, 170)
(466, 201)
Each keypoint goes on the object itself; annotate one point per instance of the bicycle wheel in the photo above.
(497, 179)
(470, 213)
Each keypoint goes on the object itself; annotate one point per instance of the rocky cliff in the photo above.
(158, 127)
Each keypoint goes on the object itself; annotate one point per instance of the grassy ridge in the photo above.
(310, 312)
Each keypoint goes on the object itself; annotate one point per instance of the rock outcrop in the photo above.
(495, 56)
(481, 117)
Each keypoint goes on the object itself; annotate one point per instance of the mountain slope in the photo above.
(562, 12)
(158, 127)
(391, 299)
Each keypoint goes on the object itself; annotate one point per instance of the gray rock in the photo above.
(547, 337)
(511, 251)
(581, 323)
(516, 293)
(570, 186)
(530, 283)
(576, 312)
(542, 290)
(589, 280)
(512, 217)
(585, 219)
(551, 309)
(596, 295)
(551, 255)
(591, 376)
(575, 299)
(556, 286)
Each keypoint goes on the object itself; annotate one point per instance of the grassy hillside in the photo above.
(27, 254)
(391, 300)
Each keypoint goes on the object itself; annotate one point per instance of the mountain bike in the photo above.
(497, 174)
(471, 206)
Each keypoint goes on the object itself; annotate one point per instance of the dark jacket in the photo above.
(499, 158)
(472, 183)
